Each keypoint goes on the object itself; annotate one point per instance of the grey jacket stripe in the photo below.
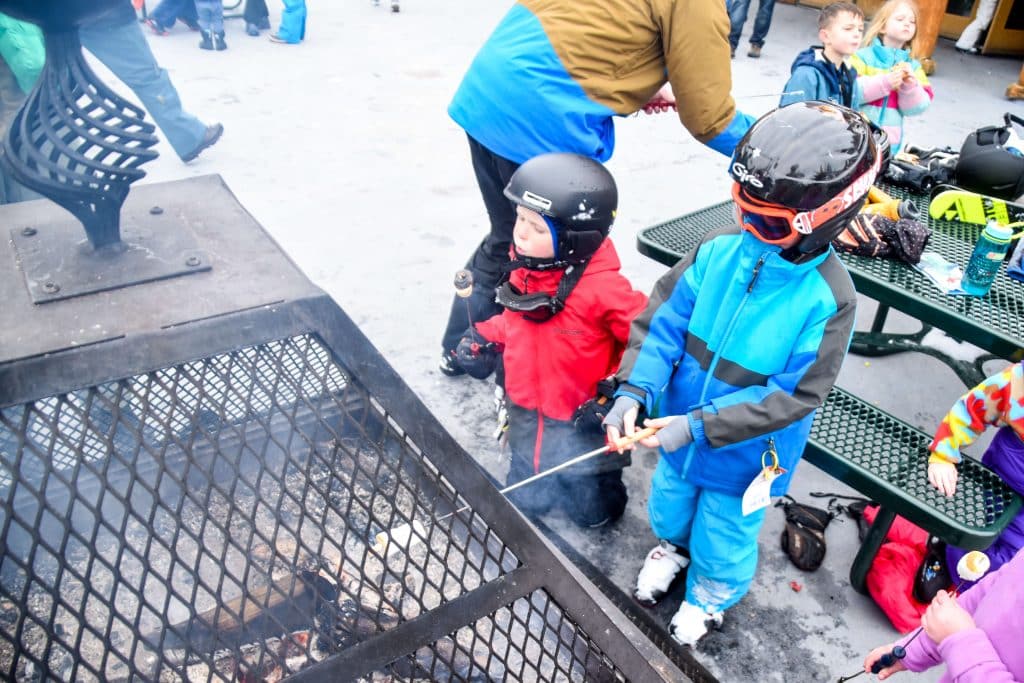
(742, 422)
(663, 289)
(697, 348)
(738, 376)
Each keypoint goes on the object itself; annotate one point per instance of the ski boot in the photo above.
(661, 566)
(691, 623)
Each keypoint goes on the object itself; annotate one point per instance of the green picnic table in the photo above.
(874, 452)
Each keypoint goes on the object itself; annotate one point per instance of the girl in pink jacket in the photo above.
(976, 634)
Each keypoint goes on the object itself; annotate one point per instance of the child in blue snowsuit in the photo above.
(740, 344)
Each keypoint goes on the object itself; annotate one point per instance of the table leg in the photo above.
(873, 540)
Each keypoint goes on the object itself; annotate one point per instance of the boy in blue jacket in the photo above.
(822, 72)
(740, 344)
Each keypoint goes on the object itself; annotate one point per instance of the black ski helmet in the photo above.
(987, 166)
(814, 158)
(577, 193)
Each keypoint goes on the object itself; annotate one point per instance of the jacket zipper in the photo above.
(721, 344)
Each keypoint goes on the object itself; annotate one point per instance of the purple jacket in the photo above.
(1005, 455)
(990, 653)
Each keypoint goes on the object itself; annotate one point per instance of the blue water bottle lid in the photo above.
(998, 233)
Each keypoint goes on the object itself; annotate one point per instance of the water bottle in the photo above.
(985, 259)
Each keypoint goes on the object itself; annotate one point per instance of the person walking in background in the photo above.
(891, 84)
(969, 41)
(211, 23)
(762, 22)
(571, 67)
(163, 16)
(822, 73)
(292, 28)
(116, 39)
(256, 16)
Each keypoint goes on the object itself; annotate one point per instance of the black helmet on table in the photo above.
(989, 165)
(804, 169)
(576, 194)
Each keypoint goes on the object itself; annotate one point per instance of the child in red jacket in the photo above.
(566, 321)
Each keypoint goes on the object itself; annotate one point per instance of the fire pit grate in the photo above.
(138, 513)
(219, 478)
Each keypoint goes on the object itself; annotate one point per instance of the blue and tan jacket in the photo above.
(554, 73)
(875, 98)
(746, 345)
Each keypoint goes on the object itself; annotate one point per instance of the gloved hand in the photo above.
(621, 418)
(673, 433)
(589, 416)
(477, 356)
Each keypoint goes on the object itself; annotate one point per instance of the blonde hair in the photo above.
(883, 15)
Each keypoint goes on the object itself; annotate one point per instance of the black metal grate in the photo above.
(533, 639)
(216, 520)
(1002, 308)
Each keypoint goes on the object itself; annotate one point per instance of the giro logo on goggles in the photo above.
(742, 175)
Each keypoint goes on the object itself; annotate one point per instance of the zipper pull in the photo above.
(757, 271)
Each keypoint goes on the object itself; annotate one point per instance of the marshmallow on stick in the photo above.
(399, 538)
(973, 566)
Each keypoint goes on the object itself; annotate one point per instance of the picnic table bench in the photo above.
(874, 452)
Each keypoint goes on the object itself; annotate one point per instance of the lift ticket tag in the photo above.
(758, 494)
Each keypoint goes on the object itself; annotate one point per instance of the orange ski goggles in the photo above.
(774, 224)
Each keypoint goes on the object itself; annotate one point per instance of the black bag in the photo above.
(933, 574)
(803, 539)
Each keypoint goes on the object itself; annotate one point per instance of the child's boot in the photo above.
(690, 623)
(207, 42)
(218, 41)
(661, 566)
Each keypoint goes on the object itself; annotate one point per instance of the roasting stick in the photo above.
(400, 537)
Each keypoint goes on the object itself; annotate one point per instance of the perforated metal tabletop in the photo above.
(994, 322)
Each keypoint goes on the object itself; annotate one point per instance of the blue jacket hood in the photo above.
(839, 79)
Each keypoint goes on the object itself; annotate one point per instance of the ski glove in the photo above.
(616, 416)
(477, 356)
(589, 416)
(675, 434)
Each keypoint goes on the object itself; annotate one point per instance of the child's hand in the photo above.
(944, 617)
(621, 420)
(943, 476)
(673, 434)
(876, 654)
(895, 77)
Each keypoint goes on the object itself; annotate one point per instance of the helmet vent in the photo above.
(536, 201)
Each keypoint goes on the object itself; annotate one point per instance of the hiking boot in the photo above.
(661, 566)
(218, 41)
(691, 623)
(210, 138)
(207, 42)
(448, 366)
(754, 51)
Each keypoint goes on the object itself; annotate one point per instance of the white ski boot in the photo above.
(661, 566)
(690, 623)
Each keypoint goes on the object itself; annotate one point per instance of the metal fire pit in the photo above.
(193, 472)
